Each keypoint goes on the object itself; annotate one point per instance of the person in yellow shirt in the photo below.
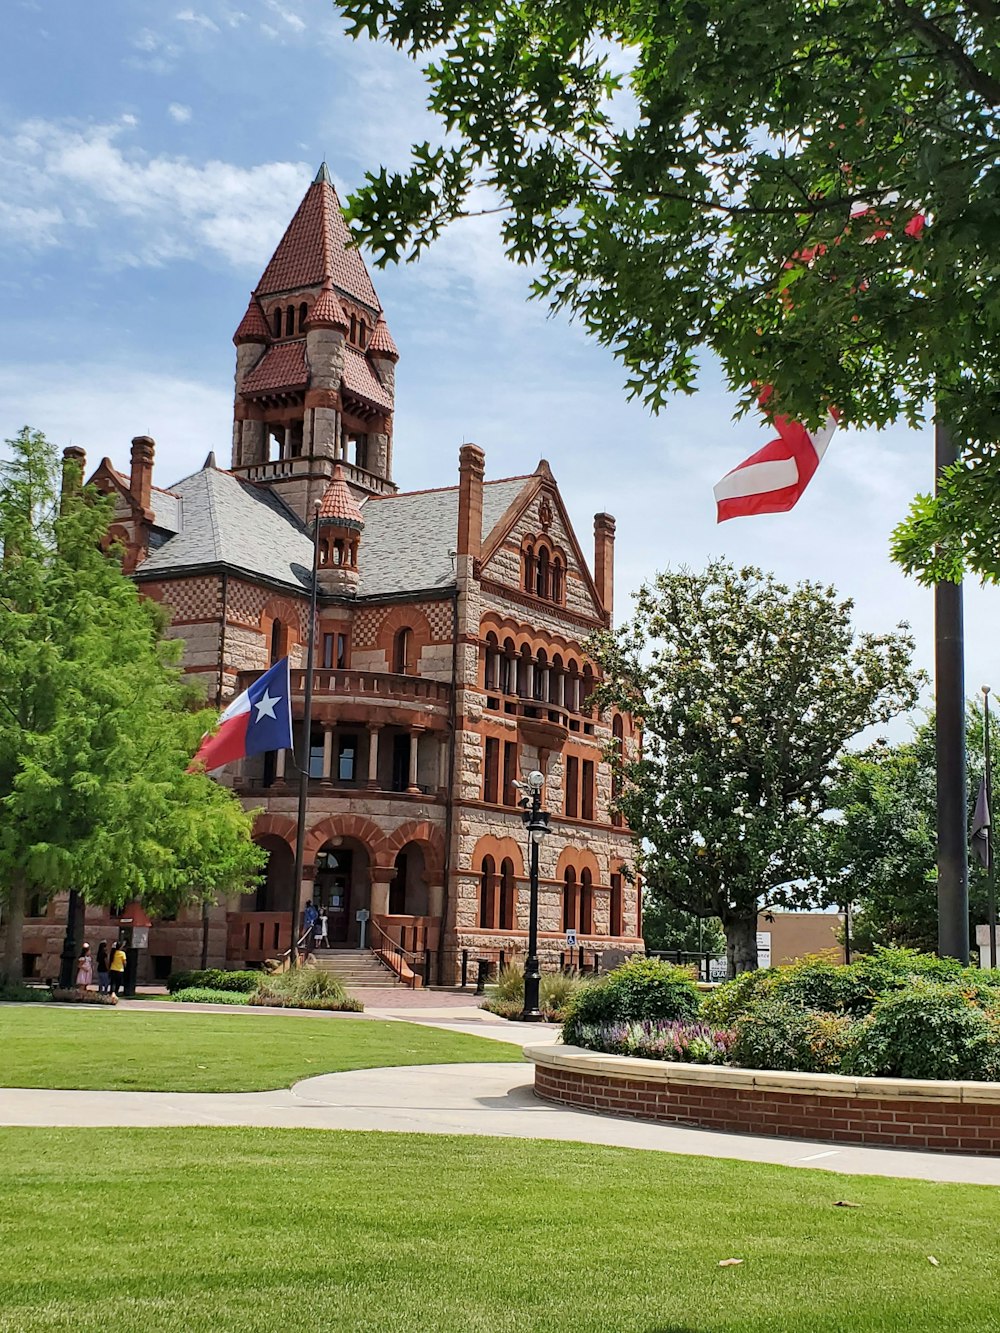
(116, 968)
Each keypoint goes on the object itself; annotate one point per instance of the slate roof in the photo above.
(282, 366)
(361, 380)
(166, 505)
(315, 250)
(228, 521)
(408, 538)
(406, 545)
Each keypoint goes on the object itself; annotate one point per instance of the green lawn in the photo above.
(191, 1052)
(212, 1230)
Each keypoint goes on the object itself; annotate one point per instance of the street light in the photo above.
(536, 821)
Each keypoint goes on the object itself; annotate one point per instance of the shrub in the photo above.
(641, 988)
(776, 1033)
(723, 1005)
(695, 1043)
(81, 997)
(304, 988)
(208, 995)
(510, 984)
(16, 992)
(511, 1009)
(214, 978)
(930, 1030)
(557, 989)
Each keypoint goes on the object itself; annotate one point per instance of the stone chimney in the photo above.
(73, 459)
(604, 561)
(141, 480)
(471, 470)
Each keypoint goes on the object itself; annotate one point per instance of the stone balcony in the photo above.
(368, 697)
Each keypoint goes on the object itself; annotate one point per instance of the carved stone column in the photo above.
(327, 753)
(373, 732)
(415, 735)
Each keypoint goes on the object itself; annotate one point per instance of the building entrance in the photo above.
(332, 890)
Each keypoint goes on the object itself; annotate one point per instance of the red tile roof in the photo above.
(327, 313)
(382, 341)
(315, 250)
(281, 367)
(253, 326)
(338, 504)
(360, 379)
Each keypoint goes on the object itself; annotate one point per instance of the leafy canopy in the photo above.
(746, 691)
(681, 175)
(97, 724)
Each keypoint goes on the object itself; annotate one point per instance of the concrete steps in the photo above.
(356, 968)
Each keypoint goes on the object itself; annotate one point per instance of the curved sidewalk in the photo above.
(487, 1099)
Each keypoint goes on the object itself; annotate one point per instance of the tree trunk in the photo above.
(12, 965)
(741, 945)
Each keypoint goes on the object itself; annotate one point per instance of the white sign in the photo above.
(717, 969)
(362, 914)
(571, 939)
(763, 948)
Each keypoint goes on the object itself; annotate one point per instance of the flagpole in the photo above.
(306, 747)
(990, 878)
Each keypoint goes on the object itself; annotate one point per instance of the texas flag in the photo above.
(259, 719)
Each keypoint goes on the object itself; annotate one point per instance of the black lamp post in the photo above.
(536, 821)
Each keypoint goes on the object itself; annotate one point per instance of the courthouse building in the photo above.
(450, 648)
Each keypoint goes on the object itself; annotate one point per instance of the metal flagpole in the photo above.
(305, 748)
(949, 698)
(990, 878)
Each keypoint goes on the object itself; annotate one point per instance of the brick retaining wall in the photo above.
(898, 1113)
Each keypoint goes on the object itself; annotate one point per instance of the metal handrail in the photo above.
(395, 955)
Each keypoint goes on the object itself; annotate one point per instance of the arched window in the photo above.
(571, 902)
(491, 663)
(303, 313)
(289, 321)
(556, 680)
(524, 672)
(276, 321)
(401, 652)
(362, 333)
(586, 902)
(618, 742)
(508, 675)
(541, 683)
(542, 574)
(572, 703)
(487, 893)
(529, 569)
(354, 328)
(556, 580)
(508, 892)
(279, 640)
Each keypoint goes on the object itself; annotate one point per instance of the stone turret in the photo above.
(340, 528)
(315, 365)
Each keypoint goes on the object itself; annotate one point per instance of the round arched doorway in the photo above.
(342, 886)
(274, 892)
(408, 888)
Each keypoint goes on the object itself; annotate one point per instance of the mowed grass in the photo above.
(212, 1230)
(191, 1052)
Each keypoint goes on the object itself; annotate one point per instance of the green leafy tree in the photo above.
(881, 848)
(682, 176)
(746, 692)
(97, 724)
(666, 926)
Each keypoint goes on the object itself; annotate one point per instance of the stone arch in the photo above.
(357, 827)
(290, 614)
(427, 837)
(579, 859)
(410, 618)
(275, 826)
(499, 848)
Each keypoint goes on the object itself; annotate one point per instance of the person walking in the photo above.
(116, 969)
(324, 934)
(318, 925)
(84, 969)
(103, 980)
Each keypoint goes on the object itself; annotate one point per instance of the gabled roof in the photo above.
(282, 366)
(227, 521)
(361, 380)
(409, 537)
(165, 505)
(315, 250)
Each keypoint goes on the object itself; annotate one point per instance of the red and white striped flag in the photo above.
(772, 480)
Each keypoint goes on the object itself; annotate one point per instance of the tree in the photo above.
(97, 724)
(881, 849)
(746, 691)
(665, 926)
(684, 176)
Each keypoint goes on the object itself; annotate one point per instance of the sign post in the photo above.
(362, 915)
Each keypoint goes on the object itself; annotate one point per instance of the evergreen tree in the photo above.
(746, 692)
(97, 725)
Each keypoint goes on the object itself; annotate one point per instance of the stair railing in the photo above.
(399, 960)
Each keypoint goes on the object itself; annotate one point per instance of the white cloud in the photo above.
(139, 209)
(197, 20)
(287, 15)
(179, 112)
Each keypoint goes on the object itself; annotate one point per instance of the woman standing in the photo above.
(103, 979)
(84, 969)
(116, 968)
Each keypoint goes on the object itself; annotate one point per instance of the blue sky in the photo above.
(151, 156)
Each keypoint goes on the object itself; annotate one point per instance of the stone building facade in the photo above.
(450, 652)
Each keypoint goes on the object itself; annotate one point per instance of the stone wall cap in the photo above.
(574, 1058)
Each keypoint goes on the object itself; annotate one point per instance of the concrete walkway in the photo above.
(488, 1099)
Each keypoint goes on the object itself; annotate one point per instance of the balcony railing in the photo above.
(363, 684)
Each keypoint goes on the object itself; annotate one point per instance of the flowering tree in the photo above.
(746, 692)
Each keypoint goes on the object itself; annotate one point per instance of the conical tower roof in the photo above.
(338, 505)
(253, 326)
(382, 342)
(327, 313)
(315, 250)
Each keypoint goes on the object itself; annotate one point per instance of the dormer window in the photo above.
(543, 570)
